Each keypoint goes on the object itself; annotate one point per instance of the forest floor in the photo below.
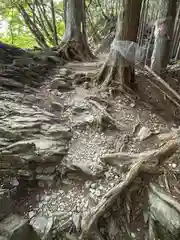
(100, 125)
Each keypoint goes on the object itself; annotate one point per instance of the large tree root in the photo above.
(146, 161)
(75, 51)
(116, 72)
(106, 115)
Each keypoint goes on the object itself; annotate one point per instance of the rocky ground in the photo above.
(58, 140)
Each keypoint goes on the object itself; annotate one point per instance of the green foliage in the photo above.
(60, 27)
(17, 32)
(23, 41)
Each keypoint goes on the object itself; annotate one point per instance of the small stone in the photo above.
(174, 165)
(42, 226)
(31, 214)
(54, 233)
(78, 209)
(132, 105)
(93, 185)
(101, 187)
(38, 198)
(77, 221)
(87, 184)
(86, 85)
(133, 235)
(112, 184)
(56, 106)
(86, 204)
(14, 227)
(47, 198)
(144, 133)
(107, 174)
(156, 131)
(41, 184)
(98, 193)
(79, 200)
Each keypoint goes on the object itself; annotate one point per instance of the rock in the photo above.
(10, 83)
(60, 130)
(86, 85)
(49, 170)
(31, 214)
(56, 106)
(132, 105)
(24, 173)
(43, 227)
(55, 84)
(174, 165)
(83, 120)
(60, 85)
(98, 193)
(6, 204)
(20, 62)
(28, 137)
(64, 71)
(93, 185)
(20, 147)
(80, 170)
(77, 221)
(80, 108)
(144, 133)
(54, 59)
(15, 227)
(45, 180)
(164, 211)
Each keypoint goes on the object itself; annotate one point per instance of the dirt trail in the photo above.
(99, 125)
(87, 178)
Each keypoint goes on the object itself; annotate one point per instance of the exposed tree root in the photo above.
(145, 161)
(107, 115)
(116, 72)
(75, 51)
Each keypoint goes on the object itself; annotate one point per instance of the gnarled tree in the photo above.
(118, 70)
(74, 41)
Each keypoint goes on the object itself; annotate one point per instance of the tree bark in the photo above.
(55, 36)
(163, 35)
(74, 41)
(117, 70)
(176, 33)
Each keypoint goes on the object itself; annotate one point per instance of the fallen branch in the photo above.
(144, 162)
(165, 85)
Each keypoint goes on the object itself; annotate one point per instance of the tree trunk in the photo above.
(163, 35)
(118, 70)
(55, 36)
(176, 33)
(75, 46)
